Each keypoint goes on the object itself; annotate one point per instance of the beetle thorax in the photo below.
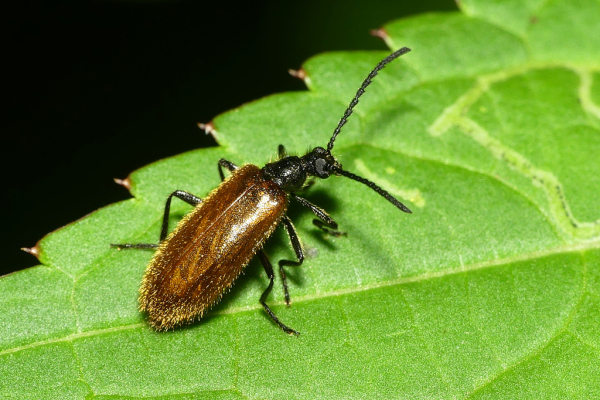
(290, 172)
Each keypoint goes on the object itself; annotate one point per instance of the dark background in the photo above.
(96, 90)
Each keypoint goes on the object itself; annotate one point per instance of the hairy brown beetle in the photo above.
(211, 245)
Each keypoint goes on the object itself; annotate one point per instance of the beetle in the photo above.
(209, 248)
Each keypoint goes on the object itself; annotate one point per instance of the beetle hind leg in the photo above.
(269, 270)
(223, 163)
(180, 194)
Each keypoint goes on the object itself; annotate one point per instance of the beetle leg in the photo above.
(180, 194)
(281, 151)
(227, 164)
(297, 246)
(135, 246)
(269, 270)
(308, 184)
(324, 222)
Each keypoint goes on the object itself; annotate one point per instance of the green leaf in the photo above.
(489, 130)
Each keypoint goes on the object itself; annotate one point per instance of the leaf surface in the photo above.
(489, 130)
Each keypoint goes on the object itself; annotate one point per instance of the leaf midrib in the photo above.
(571, 248)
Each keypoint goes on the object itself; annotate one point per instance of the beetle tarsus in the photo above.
(327, 229)
(135, 246)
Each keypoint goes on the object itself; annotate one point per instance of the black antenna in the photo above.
(359, 93)
(373, 186)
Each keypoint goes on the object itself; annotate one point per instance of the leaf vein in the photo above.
(563, 330)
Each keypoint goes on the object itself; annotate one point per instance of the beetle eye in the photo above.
(320, 164)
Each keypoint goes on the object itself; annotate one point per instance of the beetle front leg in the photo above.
(325, 222)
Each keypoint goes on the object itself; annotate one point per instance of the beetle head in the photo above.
(320, 163)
